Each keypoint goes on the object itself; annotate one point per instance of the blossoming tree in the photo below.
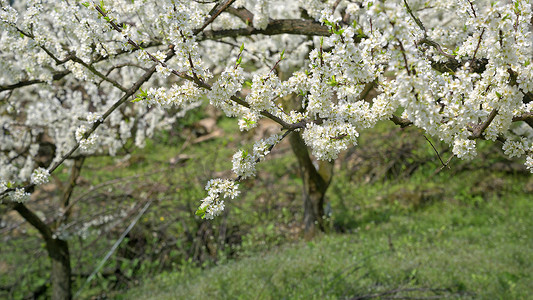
(323, 70)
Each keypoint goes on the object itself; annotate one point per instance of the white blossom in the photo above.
(20, 195)
(217, 189)
(40, 176)
(529, 163)
(464, 148)
(515, 148)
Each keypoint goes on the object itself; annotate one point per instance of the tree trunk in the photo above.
(57, 251)
(61, 270)
(315, 185)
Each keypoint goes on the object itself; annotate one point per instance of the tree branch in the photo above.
(285, 26)
(242, 13)
(74, 174)
(477, 130)
(34, 220)
(215, 12)
(401, 121)
(20, 84)
(523, 117)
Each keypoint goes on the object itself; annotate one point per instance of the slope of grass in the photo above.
(459, 249)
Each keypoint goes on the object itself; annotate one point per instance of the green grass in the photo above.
(459, 251)
(462, 233)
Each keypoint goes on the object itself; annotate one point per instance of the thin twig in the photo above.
(404, 57)
(417, 20)
(442, 167)
(438, 155)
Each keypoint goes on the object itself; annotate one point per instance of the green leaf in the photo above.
(86, 4)
(242, 48)
(498, 94)
(333, 81)
(201, 212)
(141, 96)
(281, 55)
(455, 51)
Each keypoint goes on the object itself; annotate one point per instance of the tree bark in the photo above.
(57, 251)
(315, 184)
(61, 269)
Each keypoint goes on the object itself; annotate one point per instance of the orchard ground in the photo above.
(396, 228)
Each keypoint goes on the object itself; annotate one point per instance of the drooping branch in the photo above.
(197, 80)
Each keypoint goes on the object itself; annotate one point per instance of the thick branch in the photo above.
(400, 121)
(288, 26)
(302, 153)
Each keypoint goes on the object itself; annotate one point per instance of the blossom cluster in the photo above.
(19, 195)
(217, 190)
(244, 161)
(40, 176)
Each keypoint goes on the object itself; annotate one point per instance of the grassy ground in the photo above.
(408, 233)
(482, 252)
